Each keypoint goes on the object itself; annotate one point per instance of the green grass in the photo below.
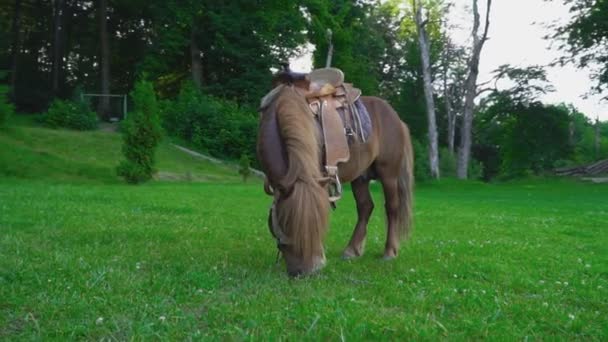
(181, 261)
(32, 152)
(84, 256)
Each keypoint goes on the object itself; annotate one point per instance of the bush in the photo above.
(70, 114)
(219, 127)
(141, 135)
(244, 165)
(421, 161)
(475, 169)
(6, 108)
(447, 163)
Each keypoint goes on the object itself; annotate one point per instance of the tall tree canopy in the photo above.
(585, 38)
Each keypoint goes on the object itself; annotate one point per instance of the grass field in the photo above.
(90, 260)
(70, 156)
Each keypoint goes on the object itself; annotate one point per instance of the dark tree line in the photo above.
(211, 61)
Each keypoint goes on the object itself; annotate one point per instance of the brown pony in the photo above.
(290, 151)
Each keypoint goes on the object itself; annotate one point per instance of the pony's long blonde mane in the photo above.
(303, 214)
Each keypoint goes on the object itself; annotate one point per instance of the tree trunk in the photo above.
(423, 39)
(58, 10)
(195, 54)
(597, 138)
(330, 49)
(449, 110)
(16, 32)
(451, 120)
(104, 102)
(471, 91)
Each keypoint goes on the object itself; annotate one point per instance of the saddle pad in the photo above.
(366, 122)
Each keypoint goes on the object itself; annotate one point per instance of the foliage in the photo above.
(421, 161)
(518, 139)
(6, 108)
(585, 38)
(75, 114)
(447, 163)
(526, 83)
(244, 165)
(219, 127)
(475, 170)
(141, 135)
(240, 41)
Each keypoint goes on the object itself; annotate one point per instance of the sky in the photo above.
(517, 28)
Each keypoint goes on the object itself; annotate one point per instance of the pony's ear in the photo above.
(269, 98)
(289, 77)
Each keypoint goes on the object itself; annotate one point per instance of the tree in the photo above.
(357, 44)
(585, 39)
(102, 12)
(423, 39)
(244, 165)
(58, 38)
(141, 135)
(514, 132)
(453, 75)
(15, 46)
(6, 108)
(471, 89)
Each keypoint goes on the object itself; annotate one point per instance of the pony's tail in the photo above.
(405, 187)
(303, 213)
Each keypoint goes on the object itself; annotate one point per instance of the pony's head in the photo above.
(289, 152)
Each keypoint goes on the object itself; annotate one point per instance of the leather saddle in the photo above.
(332, 102)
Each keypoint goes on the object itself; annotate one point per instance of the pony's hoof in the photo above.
(388, 256)
(350, 253)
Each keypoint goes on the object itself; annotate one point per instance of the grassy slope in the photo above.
(63, 155)
(176, 260)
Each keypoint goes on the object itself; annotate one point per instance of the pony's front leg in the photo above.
(365, 206)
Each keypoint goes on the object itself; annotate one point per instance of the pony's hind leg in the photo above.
(365, 206)
(391, 204)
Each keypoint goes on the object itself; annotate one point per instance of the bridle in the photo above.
(275, 230)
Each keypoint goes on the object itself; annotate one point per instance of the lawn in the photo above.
(33, 152)
(86, 260)
(84, 256)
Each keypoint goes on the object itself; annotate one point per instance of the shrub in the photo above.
(141, 135)
(217, 126)
(70, 114)
(6, 108)
(447, 163)
(475, 169)
(244, 165)
(421, 161)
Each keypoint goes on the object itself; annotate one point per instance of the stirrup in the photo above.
(335, 187)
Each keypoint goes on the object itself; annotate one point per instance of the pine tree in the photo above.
(141, 135)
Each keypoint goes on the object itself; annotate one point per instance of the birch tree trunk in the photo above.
(104, 103)
(196, 66)
(451, 120)
(330, 49)
(16, 32)
(423, 40)
(57, 44)
(597, 138)
(447, 97)
(464, 153)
